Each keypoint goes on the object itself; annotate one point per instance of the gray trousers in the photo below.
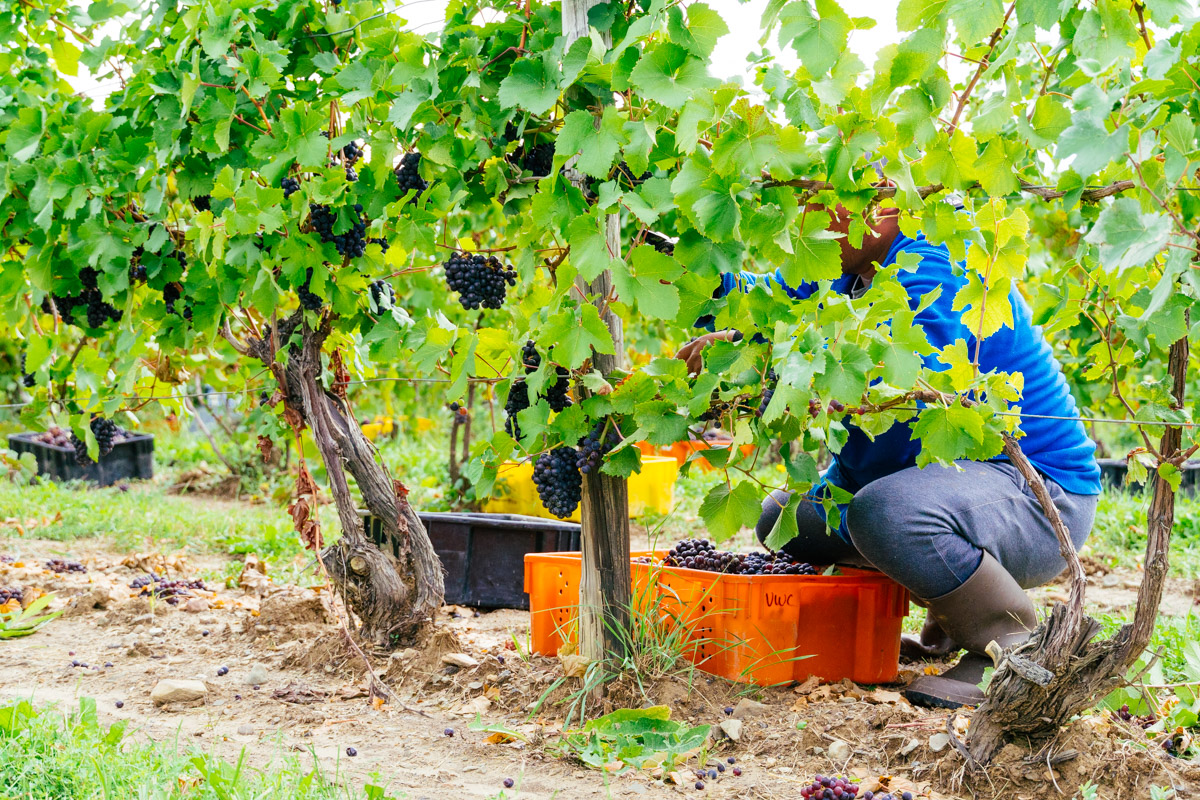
(927, 528)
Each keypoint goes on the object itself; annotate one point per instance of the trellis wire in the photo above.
(201, 395)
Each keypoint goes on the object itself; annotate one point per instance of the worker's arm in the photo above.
(692, 352)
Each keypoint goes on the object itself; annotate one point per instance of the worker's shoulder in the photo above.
(933, 264)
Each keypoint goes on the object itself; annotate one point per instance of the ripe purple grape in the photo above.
(559, 484)
(479, 280)
(383, 296)
(119, 704)
(701, 554)
(592, 450)
(60, 566)
(351, 243)
(508, 783)
(408, 175)
(448, 732)
(540, 159)
(350, 751)
(828, 788)
(222, 671)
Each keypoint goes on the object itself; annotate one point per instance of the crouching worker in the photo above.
(965, 542)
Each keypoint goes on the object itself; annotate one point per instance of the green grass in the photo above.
(1119, 533)
(47, 755)
(147, 518)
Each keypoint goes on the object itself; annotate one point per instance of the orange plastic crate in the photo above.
(763, 629)
(681, 451)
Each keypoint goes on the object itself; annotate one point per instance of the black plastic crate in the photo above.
(132, 458)
(1113, 472)
(483, 555)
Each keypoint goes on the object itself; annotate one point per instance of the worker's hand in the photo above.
(691, 353)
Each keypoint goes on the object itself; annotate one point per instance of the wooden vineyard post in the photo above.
(605, 588)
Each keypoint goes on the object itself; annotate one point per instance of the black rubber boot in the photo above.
(989, 606)
(933, 642)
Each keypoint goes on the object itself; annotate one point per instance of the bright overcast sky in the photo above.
(729, 59)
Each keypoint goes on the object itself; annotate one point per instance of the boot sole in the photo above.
(938, 692)
(926, 700)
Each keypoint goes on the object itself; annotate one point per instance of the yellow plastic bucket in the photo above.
(650, 491)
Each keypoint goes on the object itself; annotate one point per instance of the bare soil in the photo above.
(309, 696)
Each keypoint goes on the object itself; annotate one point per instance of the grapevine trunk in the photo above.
(394, 591)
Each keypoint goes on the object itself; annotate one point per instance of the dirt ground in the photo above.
(292, 685)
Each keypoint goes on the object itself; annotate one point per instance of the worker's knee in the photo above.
(771, 509)
(870, 519)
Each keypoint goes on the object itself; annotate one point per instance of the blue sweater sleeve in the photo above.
(745, 281)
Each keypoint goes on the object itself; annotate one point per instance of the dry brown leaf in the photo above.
(810, 683)
(500, 737)
(267, 448)
(883, 696)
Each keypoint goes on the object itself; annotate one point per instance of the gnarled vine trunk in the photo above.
(1041, 684)
(395, 594)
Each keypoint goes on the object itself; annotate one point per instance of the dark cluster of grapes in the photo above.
(310, 300)
(559, 484)
(771, 382)
(460, 412)
(383, 296)
(163, 589)
(757, 563)
(717, 409)
(826, 788)
(823, 788)
(540, 159)
(660, 243)
(60, 566)
(531, 359)
(479, 280)
(351, 153)
(107, 435)
(518, 401)
(28, 380)
(55, 437)
(701, 554)
(408, 175)
(352, 243)
(202, 202)
(9, 593)
(96, 310)
(518, 396)
(137, 270)
(834, 407)
(172, 293)
(379, 240)
(592, 448)
(290, 186)
(556, 393)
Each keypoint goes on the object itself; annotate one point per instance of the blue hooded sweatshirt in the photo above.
(1059, 448)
